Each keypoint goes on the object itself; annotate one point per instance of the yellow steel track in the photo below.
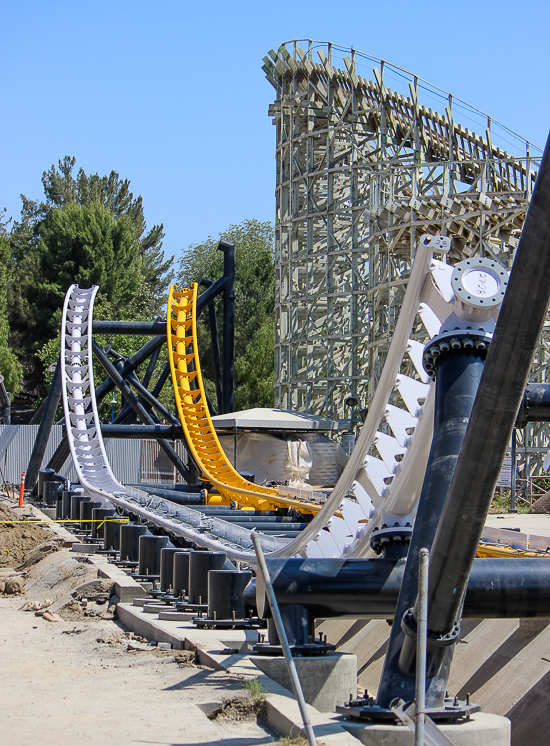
(195, 417)
(493, 550)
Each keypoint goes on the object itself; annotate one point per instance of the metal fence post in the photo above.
(421, 644)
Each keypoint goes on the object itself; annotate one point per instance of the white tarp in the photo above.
(266, 456)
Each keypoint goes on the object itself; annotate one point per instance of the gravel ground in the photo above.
(77, 681)
(60, 686)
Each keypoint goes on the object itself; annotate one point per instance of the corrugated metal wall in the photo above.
(132, 461)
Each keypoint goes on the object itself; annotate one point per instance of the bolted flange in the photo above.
(480, 282)
(437, 644)
(452, 342)
(386, 536)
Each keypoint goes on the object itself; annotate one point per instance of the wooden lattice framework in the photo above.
(362, 172)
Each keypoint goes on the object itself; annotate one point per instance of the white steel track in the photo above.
(384, 474)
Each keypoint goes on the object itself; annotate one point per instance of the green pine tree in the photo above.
(88, 230)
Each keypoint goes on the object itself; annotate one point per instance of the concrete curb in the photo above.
(216, 649)
(126, 587)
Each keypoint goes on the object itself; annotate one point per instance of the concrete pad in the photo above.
(181, 636)
(482, 729)
(176, 616)
(327, 680)
(218, 660)
(528, 523)
(283, 714)
(126, 588)
(83, 548)
(148, 628)
(152, 608)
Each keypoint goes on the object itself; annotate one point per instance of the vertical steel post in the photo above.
(513, 486)
(262, 568)
(228, 326)
(457, 379)
(41, 440)
(213, 319)
(421, 645)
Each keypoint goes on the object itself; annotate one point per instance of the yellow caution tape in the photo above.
(101, 521)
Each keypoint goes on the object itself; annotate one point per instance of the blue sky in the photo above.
(172, 96)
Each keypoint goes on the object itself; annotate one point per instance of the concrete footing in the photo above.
(326, 680)
(126, 587)
(482, 729)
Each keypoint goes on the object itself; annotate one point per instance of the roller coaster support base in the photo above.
(458, 372)
(521, 319)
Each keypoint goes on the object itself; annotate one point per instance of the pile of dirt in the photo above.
(93, 600)
(542, 505)
(242, 708)
(18, 541)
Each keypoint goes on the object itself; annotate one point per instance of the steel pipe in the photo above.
(535, 404)
(142, 432)
(523, 313)
(129, 327)
(498, 588)
(457, 378)
(228, 380)
(213, 319)
(124, 387)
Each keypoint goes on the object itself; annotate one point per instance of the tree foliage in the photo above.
(254, 308)
(10, 367)
(89, 230)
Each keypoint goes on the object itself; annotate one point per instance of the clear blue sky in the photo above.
(172, 96)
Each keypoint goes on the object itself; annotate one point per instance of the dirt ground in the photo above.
(86, 679)
(18, 540)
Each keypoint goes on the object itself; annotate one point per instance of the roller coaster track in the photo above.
(381, 482)
(362, 496)
(88, 451)
(194, 415)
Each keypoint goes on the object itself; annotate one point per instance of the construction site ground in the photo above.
(86, 678)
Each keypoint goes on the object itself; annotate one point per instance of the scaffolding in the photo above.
(364, 168)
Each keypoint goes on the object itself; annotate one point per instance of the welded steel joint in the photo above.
(479, 285)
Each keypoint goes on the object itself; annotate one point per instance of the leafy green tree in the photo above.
(254, 308)
(89, 230)
(10, 367)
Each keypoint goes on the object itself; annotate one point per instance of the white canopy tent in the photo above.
(276, 419)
